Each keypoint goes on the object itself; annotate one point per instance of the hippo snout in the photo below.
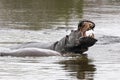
(87, 41)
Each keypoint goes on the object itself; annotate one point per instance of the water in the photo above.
(50, 20)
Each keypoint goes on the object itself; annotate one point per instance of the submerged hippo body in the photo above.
(70, 43)
(30, 52)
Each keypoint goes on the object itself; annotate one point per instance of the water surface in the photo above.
(50, 20)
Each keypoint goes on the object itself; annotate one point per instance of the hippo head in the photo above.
(77, 41)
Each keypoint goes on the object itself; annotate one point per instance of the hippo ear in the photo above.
(66, 40)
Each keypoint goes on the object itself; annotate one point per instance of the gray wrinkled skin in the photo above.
(69, 41)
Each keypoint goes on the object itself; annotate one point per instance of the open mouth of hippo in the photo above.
(81, 43)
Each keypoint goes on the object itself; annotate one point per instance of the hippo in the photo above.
(76, 42)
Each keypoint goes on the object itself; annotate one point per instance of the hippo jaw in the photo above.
(82, 46)
(76, 49)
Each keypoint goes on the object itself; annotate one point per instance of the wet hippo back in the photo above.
(30, 52)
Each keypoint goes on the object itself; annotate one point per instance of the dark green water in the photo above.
(34, 15)
(50, 20)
